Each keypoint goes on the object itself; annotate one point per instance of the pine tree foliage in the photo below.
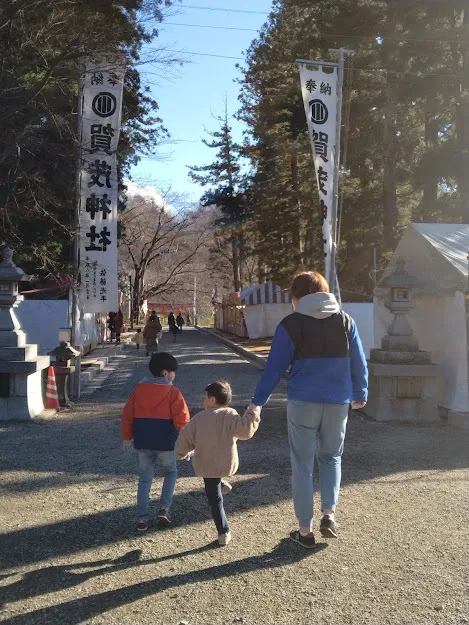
(40, 44)
(226, 191)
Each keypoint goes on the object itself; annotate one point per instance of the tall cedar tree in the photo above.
(405, 139)
(226, 192)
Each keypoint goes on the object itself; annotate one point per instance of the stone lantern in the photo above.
(63, 355)
(404, 384)
(400, 339)
(20, 366)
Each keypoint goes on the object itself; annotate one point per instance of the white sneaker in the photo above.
(224, 539)
(225, 487)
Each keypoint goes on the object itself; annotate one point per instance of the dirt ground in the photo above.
(69, 552)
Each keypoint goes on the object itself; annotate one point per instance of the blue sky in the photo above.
(189, 95)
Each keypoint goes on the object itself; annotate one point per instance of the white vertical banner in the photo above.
(320, 96)
(103, 81)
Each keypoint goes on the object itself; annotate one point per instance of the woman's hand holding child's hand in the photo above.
(189, 456)
(255, 408)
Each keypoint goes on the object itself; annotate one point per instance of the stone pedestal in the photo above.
(403, 392)
(61, 377)
(404, 385)
(20, 366)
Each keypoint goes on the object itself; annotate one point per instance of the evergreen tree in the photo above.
(403, 141)
(40, 44)
(226, 183)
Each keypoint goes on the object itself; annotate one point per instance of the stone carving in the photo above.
(7, 257)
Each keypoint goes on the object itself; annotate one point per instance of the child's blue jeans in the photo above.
(315, 429)
(148, 459)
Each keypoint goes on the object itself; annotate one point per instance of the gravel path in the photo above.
(69, 553)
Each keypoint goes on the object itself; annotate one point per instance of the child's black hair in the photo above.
(221, 391)
(162, 361)
(139, 329)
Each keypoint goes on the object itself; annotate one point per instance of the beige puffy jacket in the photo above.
(212, 434)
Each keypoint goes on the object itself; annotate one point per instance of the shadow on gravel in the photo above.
(40, 542)
(53, 579)
(373, 451)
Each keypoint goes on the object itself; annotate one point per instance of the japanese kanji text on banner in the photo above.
(99, 134)
(319, 91)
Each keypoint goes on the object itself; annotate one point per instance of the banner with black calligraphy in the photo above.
(103, 79)
(319, 90)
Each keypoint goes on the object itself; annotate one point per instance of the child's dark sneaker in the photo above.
(308, 541)
(163, 517)
(328, 527)
(143, 525)
(225, 487)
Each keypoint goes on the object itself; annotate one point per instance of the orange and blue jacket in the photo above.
(154, 415)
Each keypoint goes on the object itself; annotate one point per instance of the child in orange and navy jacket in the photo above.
(152, 419)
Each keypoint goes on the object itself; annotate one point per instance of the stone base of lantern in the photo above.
(407, 393)
(20, 366)
(21, 395)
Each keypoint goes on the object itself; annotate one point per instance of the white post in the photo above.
(333, 282)
(75, 315)
(194, 303)
(335, 204)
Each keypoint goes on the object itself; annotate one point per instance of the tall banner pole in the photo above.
(322, 90)
(334, 284)
(74, 303)
(319, 84)
(95, 284)
(335, 287)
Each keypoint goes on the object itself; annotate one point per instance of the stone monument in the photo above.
(20, 366)
(404, 384)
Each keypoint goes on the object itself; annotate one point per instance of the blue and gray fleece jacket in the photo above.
(320, 345)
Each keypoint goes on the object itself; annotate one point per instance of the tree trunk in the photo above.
(261, 271)
(296, 208)
(131, 295)
(236, 265)
(137, 295)
(390, 208)
(430, 188)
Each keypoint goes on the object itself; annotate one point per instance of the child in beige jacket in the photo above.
(211, 435)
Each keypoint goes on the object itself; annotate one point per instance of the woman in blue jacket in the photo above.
(328, 372)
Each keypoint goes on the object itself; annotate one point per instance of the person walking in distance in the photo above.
(180, 321)
(328, 373)
(137, 338)
(119, 325)
(151, 331)
(173, 329)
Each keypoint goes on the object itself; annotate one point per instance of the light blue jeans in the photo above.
(315, 429)
(148, 459)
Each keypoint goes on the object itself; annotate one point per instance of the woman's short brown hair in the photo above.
(307, 283)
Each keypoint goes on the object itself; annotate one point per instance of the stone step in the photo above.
(24, 367)
(27, 352)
